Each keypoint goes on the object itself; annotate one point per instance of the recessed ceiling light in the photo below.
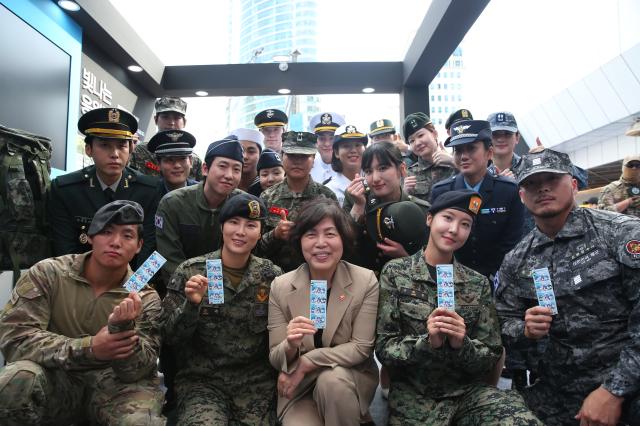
(368, 90)
(284, 91)
(134, 68)
(202, 93)
(69, 5)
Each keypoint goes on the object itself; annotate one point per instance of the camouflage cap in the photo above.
(168, 104)
(414, 122)
(461, 114)
(325, 122)
(403, 222)
(545, 161)
(349, 133)
(299, 143)
(381, 127)
(502, 121)
(464, 200)
(243, 205)
(108, 123)
(118, 212)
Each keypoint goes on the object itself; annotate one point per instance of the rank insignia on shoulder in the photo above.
(84, 239)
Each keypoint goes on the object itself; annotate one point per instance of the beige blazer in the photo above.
(350, 333)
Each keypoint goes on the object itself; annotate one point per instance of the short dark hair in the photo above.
(313, 212)
(386, 153)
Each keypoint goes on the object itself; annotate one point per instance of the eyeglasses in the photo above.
(633, 165)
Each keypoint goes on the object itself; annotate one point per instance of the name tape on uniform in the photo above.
(144, 273)
(544, 289)
(215, 288)
(318, 305)
(446, 288)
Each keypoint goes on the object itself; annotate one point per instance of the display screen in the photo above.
(34, 83)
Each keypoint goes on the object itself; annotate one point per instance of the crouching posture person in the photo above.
(218, 326)
(327, 373)
(79, 346)
(441, 341)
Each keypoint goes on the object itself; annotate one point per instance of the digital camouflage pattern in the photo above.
(515, 159)
(224, 375)
(450, 381)
(280, 196)
(24, 181)
(594, 338)
(52, 375)
(427, 174)
(145, 162)
(617, 191)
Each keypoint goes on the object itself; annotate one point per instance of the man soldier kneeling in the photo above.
(79, 346)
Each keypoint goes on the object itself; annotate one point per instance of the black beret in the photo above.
(118, 212)
(461, 114)
(468, 131)
(270, 117)
(465, 200)
(172, 142)
(414, 122)
(108, 123)
(268, 159)
(244, 205)
(403, 222)
(228, 147)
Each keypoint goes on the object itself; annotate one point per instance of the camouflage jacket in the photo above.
(220, 339)
(186, 226)
(427, 174)
(593, 263)
(279, 195)
(145, 162)
(615, 192)
(408, 295)
(53, 313)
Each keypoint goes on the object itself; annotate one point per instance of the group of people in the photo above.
(369, 216)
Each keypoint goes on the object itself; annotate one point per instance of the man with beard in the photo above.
(589, 371)
(623, 195)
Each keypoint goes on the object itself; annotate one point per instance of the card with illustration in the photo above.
(446, 287)
(215, 290)
(318, 303)
(544, 289)
(145, 272)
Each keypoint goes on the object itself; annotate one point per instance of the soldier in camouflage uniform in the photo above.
(284, 199)
(623, 195)
(439, 358)
(434, 163)
(589, 370)
(170, 115)
(79, 346)
(224, 376)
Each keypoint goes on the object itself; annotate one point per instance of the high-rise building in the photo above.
(445, 91)
(268, 28)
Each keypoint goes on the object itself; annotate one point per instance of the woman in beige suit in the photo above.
(327, 376)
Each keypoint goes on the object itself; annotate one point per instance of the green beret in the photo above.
(108, 123)
(414, 122)
(465, 200)
(244, 205)
(118, 212)
(403, 222)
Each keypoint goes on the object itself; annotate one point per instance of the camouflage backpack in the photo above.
(24, 180)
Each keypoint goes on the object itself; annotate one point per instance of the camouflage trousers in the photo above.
(237, 399)
(556, 404)
(32, 395)
(482, 405)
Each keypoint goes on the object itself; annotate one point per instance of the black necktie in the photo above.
(109, 194)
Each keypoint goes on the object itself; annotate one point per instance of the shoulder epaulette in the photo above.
(136, 176)
(74, 177)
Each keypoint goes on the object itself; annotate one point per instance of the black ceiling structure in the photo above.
(443, 28)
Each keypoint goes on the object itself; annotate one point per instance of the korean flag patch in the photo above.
(159, 221)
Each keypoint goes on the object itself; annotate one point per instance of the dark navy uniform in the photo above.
(498, 226)
(75, 197)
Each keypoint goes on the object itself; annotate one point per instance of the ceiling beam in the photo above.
(302, 78)
(443, 28)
